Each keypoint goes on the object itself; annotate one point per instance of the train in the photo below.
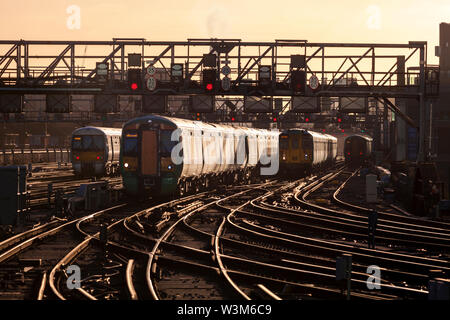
(302, 151)
(357, 149)
(163, 156)
(96, 151)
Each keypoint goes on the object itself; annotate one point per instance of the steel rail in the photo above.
(382, 227)
(399, 218)
(152, 255)
(369, 255)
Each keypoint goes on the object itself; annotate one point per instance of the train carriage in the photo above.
(301, 151)
(163, 155)
(96, 151)
(357, 149)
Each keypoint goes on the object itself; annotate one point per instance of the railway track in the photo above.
(278, 276)
(239, 242)
(393, 229)
(103, 260)
(67, 185)
(133, 239)
(26, 258)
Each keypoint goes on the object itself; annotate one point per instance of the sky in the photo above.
(379, 21)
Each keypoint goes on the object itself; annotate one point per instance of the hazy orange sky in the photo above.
(382, 21)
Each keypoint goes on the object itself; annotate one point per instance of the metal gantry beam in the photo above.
(371, 65)
(196, 48)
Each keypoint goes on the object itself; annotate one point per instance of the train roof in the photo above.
(186, 123)
(314, 134)
(356, 135)
(97, 130)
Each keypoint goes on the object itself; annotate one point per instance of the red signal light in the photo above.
(343, 130)
(98, 157)
(78, 158)
(134, 86)
(274, 119)
(339, 120)
(232, 119)
(209, 86)
(307, 119)
(348, 153)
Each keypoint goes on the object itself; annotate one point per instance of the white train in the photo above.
(96, 151)
(162, 155)
(301, 151)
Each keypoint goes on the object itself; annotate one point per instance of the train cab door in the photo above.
(149, 150)
(295, 146)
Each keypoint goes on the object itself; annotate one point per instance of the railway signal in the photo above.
(298, 81)
(232, 116)
(209, 80)
(275, 117)
(134, 79)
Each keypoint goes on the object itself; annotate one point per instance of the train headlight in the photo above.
(169, 167)
(284, 157)
(125, 164)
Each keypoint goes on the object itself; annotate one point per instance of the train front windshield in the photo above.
(166, 144)
(130, 144)
(284, 142)
(88, 143)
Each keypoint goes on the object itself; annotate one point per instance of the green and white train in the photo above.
(163, 156)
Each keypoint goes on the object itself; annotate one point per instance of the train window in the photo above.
(284, 143)
(92, 143)
(130, 144)
(98, 143)
(307, 143)
(166, 144)
(294, 143)
(77, 143)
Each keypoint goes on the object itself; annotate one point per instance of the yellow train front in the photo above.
(96, 151)
(302, 151)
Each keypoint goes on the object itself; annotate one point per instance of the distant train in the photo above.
(96, 151)
(357, 149)
(210, 154)
(302, 151)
